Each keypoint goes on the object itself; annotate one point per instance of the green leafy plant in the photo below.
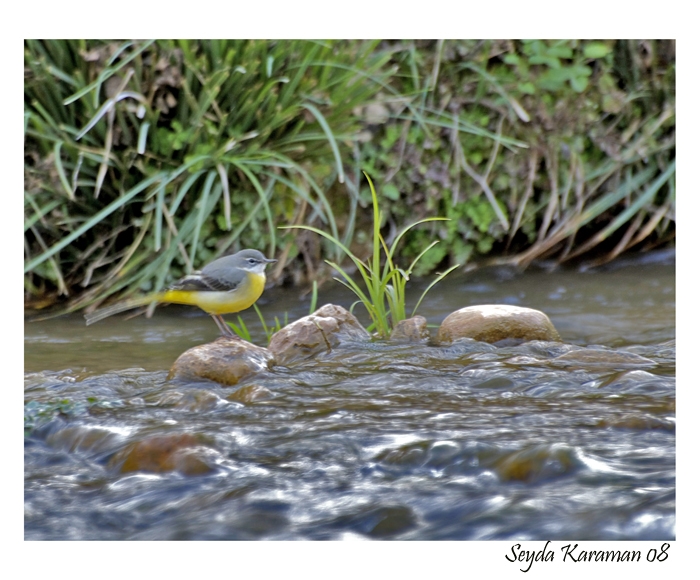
(563, 64)
(590, 115)
(384, 293)
(38, 413)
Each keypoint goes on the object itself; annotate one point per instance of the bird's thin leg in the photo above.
(223, 327)
(229, 330)
(218, 323)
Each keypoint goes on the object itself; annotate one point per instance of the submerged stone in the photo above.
(182, 452)
(86, 438)
(250, 394)
(495, 322)
(642, 422)
(316, 333)
(226, 361)
(536, 463)
(603, 358)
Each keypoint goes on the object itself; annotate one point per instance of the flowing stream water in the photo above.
(571, 440)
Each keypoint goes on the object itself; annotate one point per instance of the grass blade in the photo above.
(331, 139)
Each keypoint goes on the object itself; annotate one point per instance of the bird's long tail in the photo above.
(121, 307)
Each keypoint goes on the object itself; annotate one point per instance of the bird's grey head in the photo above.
(252, 260)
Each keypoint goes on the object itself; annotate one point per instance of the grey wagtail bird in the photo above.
(224, 286)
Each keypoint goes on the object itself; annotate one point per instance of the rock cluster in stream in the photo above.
(229, 360)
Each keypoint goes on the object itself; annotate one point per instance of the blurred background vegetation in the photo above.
(146, 159)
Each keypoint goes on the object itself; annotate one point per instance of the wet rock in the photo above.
(535, 463)
(84, 438)
(640, 422)
(250, 394)
(411, 455)
(196, 400)
(319, 332)
(592, 358)
(391, 520)
(182, 452)
(493, 323)
(199, 401)
(413, 329)
(225, 361)
(378, 521)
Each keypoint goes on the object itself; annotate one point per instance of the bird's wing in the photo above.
(202, 282)
(222, 274)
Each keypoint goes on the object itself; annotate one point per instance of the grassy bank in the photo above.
(146, 159)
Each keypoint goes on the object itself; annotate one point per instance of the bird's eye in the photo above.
(252, 261)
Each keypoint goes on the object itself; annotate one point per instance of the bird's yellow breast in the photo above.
(244, 296)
